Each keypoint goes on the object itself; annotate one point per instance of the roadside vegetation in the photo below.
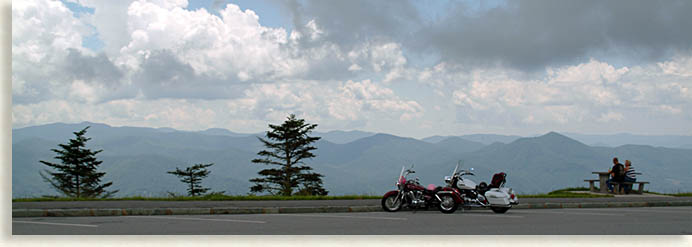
(579, 192)
(562, 193)
(208, 197)
(680, 194)
(573, 192)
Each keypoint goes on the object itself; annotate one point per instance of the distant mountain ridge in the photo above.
(485, 139)
(669, 141)
(354, 162)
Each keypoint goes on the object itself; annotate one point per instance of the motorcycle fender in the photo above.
(393, 192)
(456, 196)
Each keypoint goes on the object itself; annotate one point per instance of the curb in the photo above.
(292, 210)
(603, 205)
(187, 211)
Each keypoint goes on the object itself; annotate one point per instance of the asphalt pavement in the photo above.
(567, 221)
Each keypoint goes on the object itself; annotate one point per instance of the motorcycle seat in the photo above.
(432, 189)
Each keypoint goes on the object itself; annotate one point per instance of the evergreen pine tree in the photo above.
(287, 146)
(193, 177)
(76, 175)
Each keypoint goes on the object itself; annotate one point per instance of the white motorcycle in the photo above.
(494, 196)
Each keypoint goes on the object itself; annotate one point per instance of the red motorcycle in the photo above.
(411, 194)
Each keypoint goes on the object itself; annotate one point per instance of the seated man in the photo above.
(630, 175)
(617, 174)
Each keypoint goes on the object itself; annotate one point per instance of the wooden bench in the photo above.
(618, 189)
(616, 186)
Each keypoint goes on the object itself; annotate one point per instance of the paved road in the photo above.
(627, 221)
(297, 203)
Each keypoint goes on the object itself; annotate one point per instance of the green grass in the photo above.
(680, 194)
(212, 197)
(561, 193)
(565, 193)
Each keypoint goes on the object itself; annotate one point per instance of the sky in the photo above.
(409, 68)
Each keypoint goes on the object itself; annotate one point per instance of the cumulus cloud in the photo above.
(348, 23)
(233, 45)
(342, 104)
(578, 94)
(679, 66)
(47, 51)
(346, 106)
(359, 64)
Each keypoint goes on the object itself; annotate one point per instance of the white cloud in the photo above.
(232, 45)
(610, 117)
(350, 101)
(382, 57)
(164, 65)
(570, 94)
(44, 34)
(679, 66)
(110, 20)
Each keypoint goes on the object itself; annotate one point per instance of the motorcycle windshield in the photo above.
(402, 180)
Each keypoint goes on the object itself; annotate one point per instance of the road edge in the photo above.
(288, 210)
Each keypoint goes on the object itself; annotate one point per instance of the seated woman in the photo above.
(630, 175)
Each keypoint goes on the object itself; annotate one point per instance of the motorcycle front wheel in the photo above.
(391, 203)
(499, 210)
(447, 205)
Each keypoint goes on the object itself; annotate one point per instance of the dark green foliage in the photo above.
(288, 145)
(76, 175)
(193, 177)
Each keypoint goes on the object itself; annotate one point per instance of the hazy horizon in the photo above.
(365, 131)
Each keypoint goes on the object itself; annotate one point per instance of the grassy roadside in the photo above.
(684, 194)
(570, 193)
(565, 193)
(212, 197)
(562, 193)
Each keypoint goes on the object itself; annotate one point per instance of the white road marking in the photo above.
(202, 219)
(51, 223)
(343, 216)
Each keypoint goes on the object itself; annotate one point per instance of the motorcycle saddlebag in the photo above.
(497, 197)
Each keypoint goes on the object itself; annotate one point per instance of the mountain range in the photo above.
(136, 159)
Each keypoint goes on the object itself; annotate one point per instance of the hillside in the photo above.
(137, 159)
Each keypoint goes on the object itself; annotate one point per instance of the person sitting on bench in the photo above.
(617, 174)
(630, 176)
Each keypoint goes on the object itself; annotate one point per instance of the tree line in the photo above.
(288, 146)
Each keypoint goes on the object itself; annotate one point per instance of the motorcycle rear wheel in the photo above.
(499, 210)
(447, 205)
(389, 204)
